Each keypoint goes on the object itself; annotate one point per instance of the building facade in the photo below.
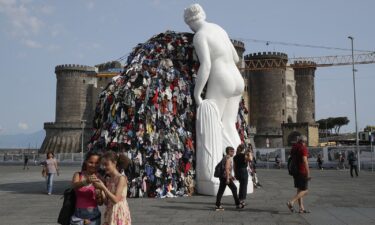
(279, 94)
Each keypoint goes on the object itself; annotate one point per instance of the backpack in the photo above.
(68, 207)
(292, 167)
(220, 169)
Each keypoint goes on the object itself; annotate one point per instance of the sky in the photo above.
(35, 36)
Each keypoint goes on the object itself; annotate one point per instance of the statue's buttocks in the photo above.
(223, 68)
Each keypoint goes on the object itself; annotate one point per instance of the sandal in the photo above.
(240, 206)
(304, 211)
(219, 208)
(290, 207)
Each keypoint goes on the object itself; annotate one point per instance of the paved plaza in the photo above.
(334, 198)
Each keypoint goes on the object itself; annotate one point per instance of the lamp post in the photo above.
(355, 107)
(372, 152)
(83, 123)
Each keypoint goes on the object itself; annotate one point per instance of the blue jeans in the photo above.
(93, 214)
(50, 182)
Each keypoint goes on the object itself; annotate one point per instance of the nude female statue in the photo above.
(218, 58)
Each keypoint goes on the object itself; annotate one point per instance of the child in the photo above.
(115, 189)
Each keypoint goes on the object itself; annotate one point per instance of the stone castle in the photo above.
(280, 101)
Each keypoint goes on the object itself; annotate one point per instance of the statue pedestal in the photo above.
(210, 188)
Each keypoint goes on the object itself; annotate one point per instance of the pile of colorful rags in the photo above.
(148, 113)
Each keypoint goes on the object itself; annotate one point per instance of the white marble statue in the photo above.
(217, 113)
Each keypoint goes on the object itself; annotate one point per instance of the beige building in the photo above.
(292, 130)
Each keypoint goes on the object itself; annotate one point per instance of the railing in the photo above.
(266, 156)
(37, 158)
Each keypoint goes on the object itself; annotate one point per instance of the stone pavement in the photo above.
(334, 198)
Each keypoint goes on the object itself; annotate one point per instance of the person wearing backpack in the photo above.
(226, 179)
(301, 173)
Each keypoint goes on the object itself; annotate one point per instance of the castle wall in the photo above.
(291, 96)
(292, 131)
(305, 91)
(76, 86)
(74, 90)
(267, 100)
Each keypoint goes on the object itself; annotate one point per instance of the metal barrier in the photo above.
(37, 158)
(266, 157)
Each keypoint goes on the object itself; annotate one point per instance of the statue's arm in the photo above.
(203, 53)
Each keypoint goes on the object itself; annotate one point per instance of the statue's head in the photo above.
(193, 14)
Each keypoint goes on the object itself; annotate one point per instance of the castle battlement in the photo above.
(304, 65)
(75, 67)
(267, 55)
(237, 43)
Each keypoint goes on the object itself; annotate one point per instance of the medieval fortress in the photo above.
(281, 102)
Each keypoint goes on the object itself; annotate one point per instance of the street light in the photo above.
(372, 153)
(83, 123)
(355, 107)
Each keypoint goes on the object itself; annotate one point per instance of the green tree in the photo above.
(333, 123)
(369, 128)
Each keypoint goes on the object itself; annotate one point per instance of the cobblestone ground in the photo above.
(334, 198)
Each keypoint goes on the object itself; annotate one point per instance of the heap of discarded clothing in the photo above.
(148, 113)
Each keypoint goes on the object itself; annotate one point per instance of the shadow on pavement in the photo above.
(38, 187)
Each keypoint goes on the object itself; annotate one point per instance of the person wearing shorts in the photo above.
(299, 155)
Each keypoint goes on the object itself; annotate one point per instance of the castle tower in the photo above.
(290, 96)
(270, 101)
(304, 72)
(240, 48)
(74, 90)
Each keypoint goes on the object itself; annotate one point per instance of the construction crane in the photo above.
(306, 62)
(300, 62)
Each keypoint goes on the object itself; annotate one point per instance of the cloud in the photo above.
(20, 19)
(32, 44)
(57, 29)
(23, 126)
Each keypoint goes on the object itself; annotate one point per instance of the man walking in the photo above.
(301, 177)
(353, 164)
(25, 162)
(227, 179)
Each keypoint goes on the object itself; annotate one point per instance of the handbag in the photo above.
(68, 207)
(44, 171)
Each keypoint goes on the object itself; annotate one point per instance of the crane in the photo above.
(299, 62)
(306, 62)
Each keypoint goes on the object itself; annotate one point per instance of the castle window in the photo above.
(83, 81)
(283, 112)
(313, 115)
(282, 80)
(282, 94)
(312, 100)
